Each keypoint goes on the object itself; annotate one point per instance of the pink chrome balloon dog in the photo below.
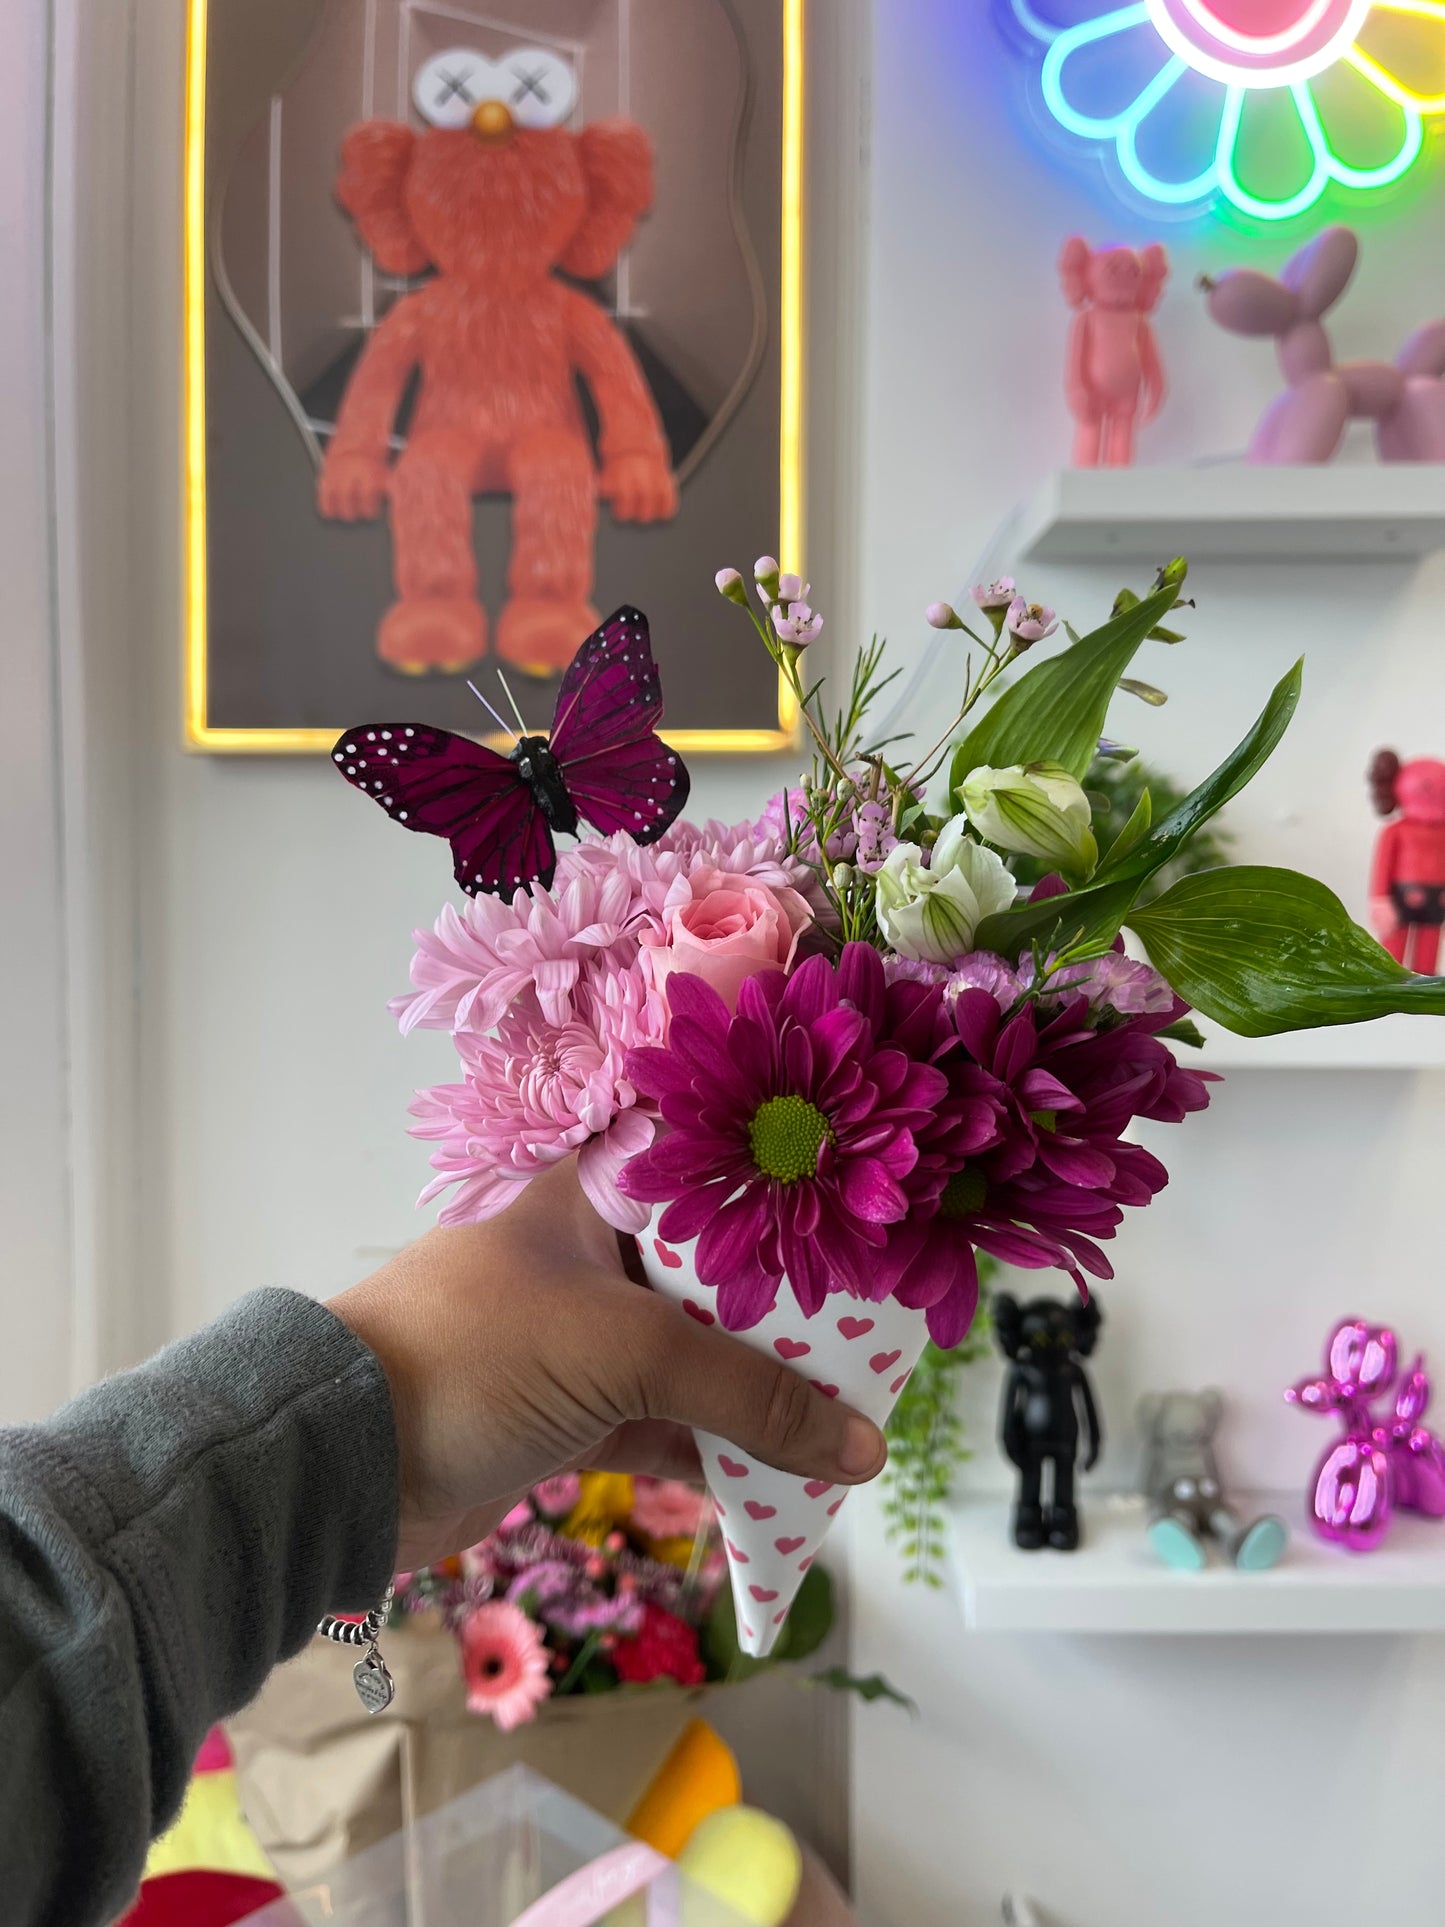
(1377, 1465)
(1405, 399)
(1113, 376)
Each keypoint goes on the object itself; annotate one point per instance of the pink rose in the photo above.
(726, 934)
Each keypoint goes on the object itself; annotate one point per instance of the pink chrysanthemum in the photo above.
(1056, 1178)
(535, 1092)
(483, 954)
(504, 1664)
(790, 1128)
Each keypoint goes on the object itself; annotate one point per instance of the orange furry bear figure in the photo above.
(497, 339)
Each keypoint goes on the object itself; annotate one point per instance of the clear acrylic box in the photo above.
(513, 1852)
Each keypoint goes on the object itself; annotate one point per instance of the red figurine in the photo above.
(1113, 376)
(1407, 882)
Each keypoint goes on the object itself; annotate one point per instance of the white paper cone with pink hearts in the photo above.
(772, 1522)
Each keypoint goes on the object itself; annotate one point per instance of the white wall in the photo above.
(1128, 1782)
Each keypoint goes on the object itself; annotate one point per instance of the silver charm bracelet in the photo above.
(374, 1685)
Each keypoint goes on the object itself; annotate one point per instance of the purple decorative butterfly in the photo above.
(603, 762)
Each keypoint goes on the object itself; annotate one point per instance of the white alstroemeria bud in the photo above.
(1034, 810)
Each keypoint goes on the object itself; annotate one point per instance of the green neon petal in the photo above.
(1234, 190)
(1412, 139)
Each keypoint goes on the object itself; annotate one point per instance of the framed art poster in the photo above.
(493, 322)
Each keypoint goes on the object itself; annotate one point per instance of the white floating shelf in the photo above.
(1337, 512)
(1116, 1584)
(1387, 1044)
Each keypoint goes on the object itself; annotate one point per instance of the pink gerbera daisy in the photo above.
(504, 1664)
(790, 1127)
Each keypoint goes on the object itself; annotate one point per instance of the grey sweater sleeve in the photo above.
(164, 1541)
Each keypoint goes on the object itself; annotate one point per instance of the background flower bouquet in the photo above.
(594, 1582)
(820, 1061)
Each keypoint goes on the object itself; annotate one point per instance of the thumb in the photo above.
(700, 1376)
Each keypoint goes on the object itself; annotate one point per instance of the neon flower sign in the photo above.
(1261, 102)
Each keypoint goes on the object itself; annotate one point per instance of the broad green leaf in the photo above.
(873, 1686)
(1183, 1031)
(1056, 711)
(1262, 950)
(1098, 912)
(810, 1617)
(1241, 766)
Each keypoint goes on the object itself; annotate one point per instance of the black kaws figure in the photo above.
(1044, 1393)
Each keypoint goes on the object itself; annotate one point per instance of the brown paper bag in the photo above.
(321, 1779)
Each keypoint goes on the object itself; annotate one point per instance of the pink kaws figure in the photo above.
(1379, 1464)
(1407, 881)
(1405, 398)
(1113, 377)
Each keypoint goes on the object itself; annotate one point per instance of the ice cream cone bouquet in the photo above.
(817, 1061)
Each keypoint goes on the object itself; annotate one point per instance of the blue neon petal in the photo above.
(1182, 109)
(1079, 39)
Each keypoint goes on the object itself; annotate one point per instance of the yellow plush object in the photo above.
(210, 1832)
(698, 1776)
(605, 1502)
(747, 1860)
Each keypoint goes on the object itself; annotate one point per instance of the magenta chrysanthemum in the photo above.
(1060, 1171)
(537, 1091)
(790, 1127)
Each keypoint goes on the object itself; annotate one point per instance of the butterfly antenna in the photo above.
(500, 721)
(512, 700)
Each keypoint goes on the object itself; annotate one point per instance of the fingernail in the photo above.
(862, 1447)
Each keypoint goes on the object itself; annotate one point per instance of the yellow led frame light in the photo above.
(200, 734)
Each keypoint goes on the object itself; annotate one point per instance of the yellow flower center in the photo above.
(787, 1136)
(964, 1193)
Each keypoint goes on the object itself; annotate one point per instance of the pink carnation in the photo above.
(536, 1092)
(668, 1509)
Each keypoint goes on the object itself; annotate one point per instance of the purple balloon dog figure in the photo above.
(1405, 398)
(1377, 1465)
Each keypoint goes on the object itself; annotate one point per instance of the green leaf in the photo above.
(1145, 691)
(1240, 767)
(1056, 711)
(1263, 950)
(1183, 1031)
(810, 1617)
(869, 1687)
(1140, 818)
(1098, 913)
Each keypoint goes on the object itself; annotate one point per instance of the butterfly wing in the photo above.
(618, 771)
(445, 785)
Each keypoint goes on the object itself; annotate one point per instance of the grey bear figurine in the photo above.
(1180, 1479)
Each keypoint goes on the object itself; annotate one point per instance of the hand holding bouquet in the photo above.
(838, 1051)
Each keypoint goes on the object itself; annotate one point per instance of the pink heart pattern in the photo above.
(855, 1327)
(815, 1488)
(731, 1466)
(836, 1507)
(828, 1391)
(898, 1384)
(790, 1347)
(882, 1362)
(803, 1564)
(785, 1546)
(741, 1557)
(763, 1594)
(667, 1256)
(697, 1312)
(755, 1509)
